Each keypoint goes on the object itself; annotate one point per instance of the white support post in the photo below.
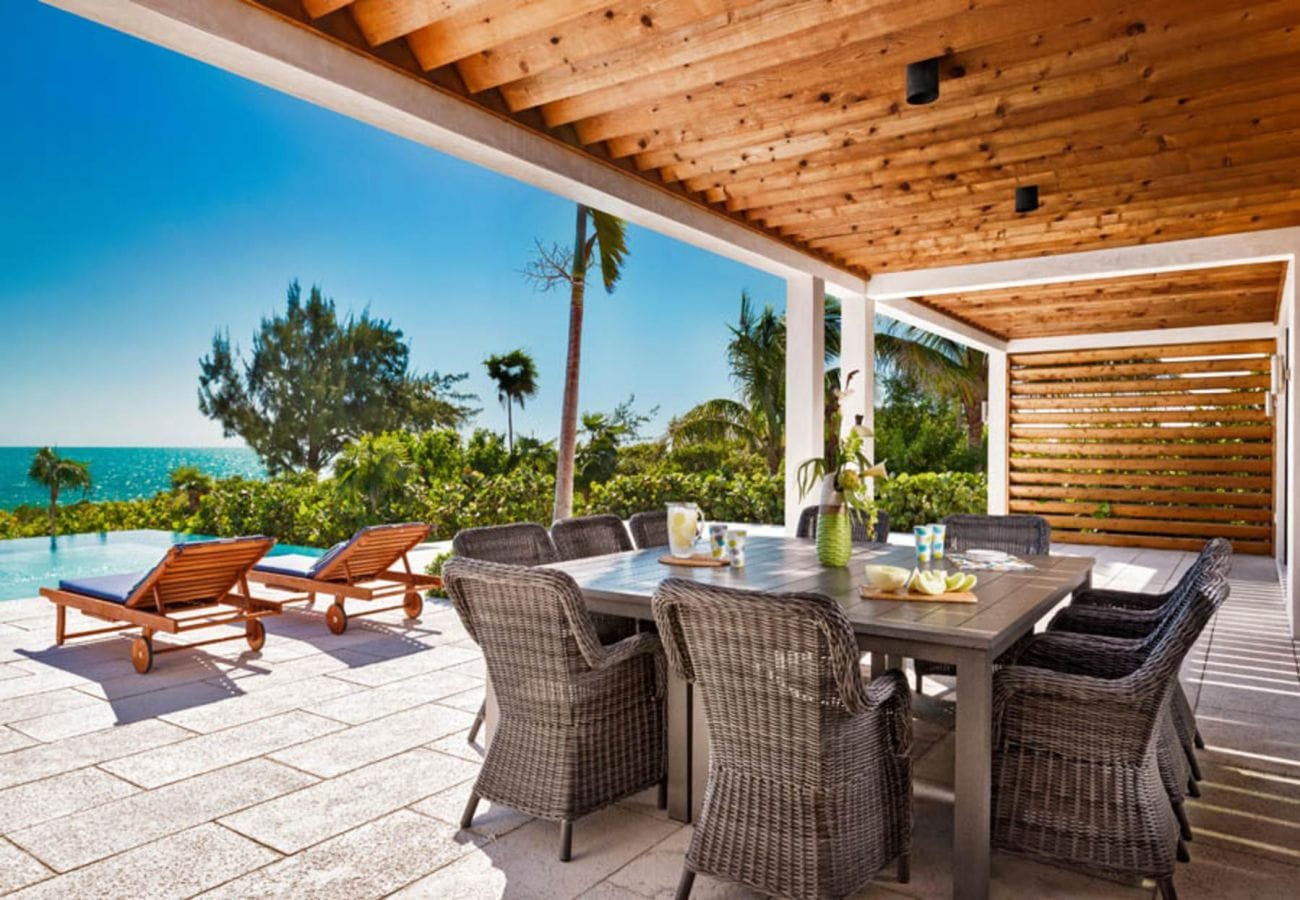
(805, 383)
(1287, 412)
(858, 353)
(998, 420)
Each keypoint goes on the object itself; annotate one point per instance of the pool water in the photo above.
(28, 564)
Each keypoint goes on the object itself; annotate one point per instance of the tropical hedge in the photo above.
(454, 482)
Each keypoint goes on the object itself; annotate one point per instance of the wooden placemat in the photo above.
(870, 593)
(695, 561)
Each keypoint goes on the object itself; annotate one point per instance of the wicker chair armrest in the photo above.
(1118, 599)
(1106, 621)
(645, 643)
(1067, 686)
(1093, 656)
(1043, 708)
(888, 695)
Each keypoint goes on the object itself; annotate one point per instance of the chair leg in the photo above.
(467, 817)
(1184, 827)
(1198, 740)
(60, 623)
(919, 680)
(1166, 888)
(566, 840)
(684, 886)
(904, 868)
(1193, 789)
(1194, 765)
(478, 723)
(1183, 855)
(663, 793)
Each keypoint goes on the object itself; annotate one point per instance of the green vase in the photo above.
(834, 536)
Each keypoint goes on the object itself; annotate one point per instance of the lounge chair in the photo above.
(364, 567)
(177, 595)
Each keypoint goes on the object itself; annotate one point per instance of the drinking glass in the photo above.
(924, 543)
(937, 533)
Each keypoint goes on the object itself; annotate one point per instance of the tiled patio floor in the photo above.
(337, 767)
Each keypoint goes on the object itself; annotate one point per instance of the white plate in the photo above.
(988, 555)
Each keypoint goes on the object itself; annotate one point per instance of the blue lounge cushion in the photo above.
(113, 588)
(294, 564)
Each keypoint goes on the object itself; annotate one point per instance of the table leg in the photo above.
(972, 810)
(491, 713)
(678, 711)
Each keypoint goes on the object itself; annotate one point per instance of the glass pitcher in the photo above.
(685, 524)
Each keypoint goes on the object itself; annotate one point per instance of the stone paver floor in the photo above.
(337, 767)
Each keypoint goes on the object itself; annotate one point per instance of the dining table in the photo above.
(970, 636)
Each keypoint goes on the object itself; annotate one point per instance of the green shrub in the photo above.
(929, 496)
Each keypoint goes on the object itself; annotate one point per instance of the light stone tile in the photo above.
(475, 667)
(523, 863)
(396, 669)
(1216, 873)
(13, 610)
(655, 873)
(45, 760)
(13, 740)
(39, 801)
(364, 706)
(457, 744)
(244, 708)
(85, 837)
(48, 703)
(490, 820)
(311, 815)
(176, 866)
(469, 700)
(370, 861)
(72, 722)
(17, 868)
(359, 745)
(153, 768)
(7, 671)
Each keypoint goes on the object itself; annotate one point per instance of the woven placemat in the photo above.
(870, 593)
(695, 561)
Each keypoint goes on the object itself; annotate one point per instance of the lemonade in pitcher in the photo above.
(684, 525)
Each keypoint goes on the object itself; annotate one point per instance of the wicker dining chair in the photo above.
(519, 544)
(523, 544)
(1076, 762)
(862, 534)
(1129, 614)
(809, 788)
(1017, 535)
(649, 529)
(590, 536)
(582, 724)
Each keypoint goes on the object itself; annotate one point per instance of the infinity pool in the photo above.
(27, 564)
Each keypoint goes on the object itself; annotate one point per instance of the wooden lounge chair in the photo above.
(181, 593)
(364, 567)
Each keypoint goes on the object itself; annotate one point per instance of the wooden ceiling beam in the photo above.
(383, 20)
(318, 8)
(485, 26)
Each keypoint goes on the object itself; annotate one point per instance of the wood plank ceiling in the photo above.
(1140, 121)
(1226, 295)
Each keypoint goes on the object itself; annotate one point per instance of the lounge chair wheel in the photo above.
(413, 605)
(336, 618)
(255, 632)
(142, 654)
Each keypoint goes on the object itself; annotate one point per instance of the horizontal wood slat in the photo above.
(1113, 446)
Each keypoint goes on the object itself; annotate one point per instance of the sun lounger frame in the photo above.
(367, 585)
(149, 609)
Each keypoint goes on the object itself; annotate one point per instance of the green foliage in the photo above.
(920, 432)
(515, 374)
(313, 382)
(55, 473)
(929, 496)
(754, 497)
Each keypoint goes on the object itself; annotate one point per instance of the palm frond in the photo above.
(611, 244)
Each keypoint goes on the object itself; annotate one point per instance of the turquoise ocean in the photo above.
(122, 473)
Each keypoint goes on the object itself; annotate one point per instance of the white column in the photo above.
(858, 351)
(998, 420)
(805, 373)
(1287, 412)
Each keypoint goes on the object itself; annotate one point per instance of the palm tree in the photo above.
(193, 482)
(947, 367)
(607, 245)
(756, 357)
(516, 376)
(374, 470)
(55, 472)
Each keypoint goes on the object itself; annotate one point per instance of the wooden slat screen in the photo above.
(1158, 446)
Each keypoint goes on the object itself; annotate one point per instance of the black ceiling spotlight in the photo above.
(923, 82)
(1026, 198)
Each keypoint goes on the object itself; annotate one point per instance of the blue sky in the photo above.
(150, 199)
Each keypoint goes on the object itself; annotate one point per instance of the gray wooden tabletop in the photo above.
(1008, 602)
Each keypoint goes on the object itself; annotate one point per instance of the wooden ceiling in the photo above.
(1227, 295)
(1140, 121)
